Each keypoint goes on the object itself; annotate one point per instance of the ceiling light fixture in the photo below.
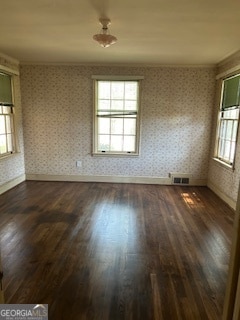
(105, 39)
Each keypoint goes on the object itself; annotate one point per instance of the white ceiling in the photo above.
(150, 32)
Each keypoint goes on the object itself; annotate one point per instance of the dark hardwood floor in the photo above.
(116, 251)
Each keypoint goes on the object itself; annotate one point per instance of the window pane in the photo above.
(223, 129)
(117, 91)
(231, 114)
(6, 130)
(227, 147)
(103, 143)
(131, 105)
(234, 135)
(113, 123)
(117, 105)
(103, 125)
(117, 126)
(104, 90)
(227, 135)
(231, 92)
(5, 88)
(6, 110)
(130, 126)
(129, 143)
(2, 124)
(8, 124)
(221, 148)
(227, 140)
(9, 143)
(116, 143)
(131, 90)
(104, 105)
(3, 146)
(229, 127)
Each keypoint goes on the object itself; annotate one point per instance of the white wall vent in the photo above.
(180, 178)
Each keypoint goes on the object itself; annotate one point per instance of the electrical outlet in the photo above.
(78, 163)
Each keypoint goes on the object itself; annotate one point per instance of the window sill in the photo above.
(6, 156)
(223, 164)
(115, 155)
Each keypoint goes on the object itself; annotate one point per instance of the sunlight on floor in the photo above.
(192, 200)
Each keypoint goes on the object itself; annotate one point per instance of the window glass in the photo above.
(116, 117)
(227, 136)
(7, 138)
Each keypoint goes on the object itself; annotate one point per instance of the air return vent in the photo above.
(180, 178)
(177, 180)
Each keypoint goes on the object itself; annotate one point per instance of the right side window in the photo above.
(228, 121)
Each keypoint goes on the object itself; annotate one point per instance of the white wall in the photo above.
(176, 122)
(12, 170)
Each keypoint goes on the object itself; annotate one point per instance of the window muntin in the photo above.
(228, 121)
(7, 135)
(116, 117)
(228, 127)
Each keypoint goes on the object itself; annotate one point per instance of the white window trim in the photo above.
(117, 78)
(137, 142)
(13, 133)
(223, 164)
(16, 149)
(221, 78)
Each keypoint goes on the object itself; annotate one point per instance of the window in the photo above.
(228, 121)
(7, 136)
(116, 117)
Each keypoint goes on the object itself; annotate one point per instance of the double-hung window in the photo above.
(7, 135)
(228, 121)
(116, 116)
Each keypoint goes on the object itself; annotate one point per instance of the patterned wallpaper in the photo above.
(226, 180)
(13, 166)
(175, 122)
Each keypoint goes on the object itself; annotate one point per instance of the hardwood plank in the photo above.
(116, 251)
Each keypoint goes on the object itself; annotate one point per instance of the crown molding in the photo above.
(229, 58)
(8, 58)
(123, 65)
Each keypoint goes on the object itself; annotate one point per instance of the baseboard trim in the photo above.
(111, 179)
(222, 195)
(12, 183)
(114, 179)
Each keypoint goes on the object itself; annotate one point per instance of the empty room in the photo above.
(119, 160)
